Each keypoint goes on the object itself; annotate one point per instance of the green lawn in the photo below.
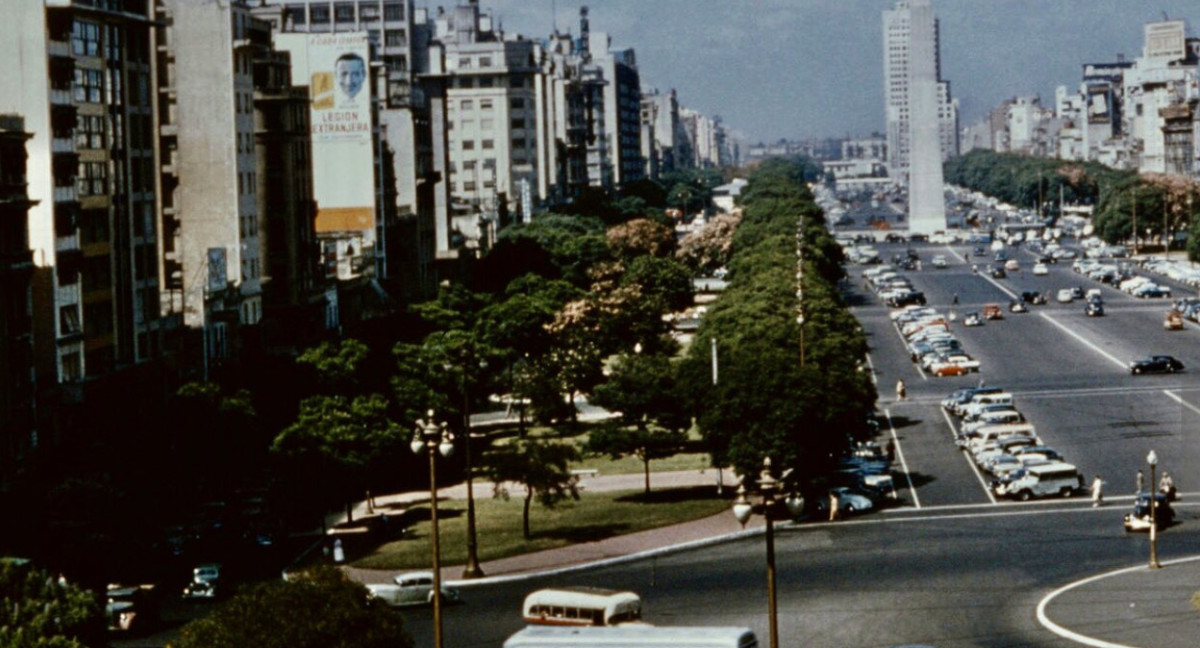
(688, 460)
(498, 523)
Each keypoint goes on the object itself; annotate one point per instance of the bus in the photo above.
(582, 606)
(632, 637)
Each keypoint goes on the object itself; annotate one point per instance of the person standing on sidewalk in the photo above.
(1097, 492)
(1141, 482)
(901, 391)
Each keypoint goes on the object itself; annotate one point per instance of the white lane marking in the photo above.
(904, 464)
(967, 455)
(1177, 399)
(871, 366)
(1044, 618)
(904, 341)
(1011, 294)
(1085, 342)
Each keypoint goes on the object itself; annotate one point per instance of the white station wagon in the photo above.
(411, 588)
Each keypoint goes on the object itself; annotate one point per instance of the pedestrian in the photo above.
(901, 391)
(834, 514)
(339, 556)
(1166, 485)
(1097, 492)
(891, 450)
(1141, 482)
(967, 257)
(954, 301)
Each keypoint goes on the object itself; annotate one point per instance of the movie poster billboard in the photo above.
(343, 169)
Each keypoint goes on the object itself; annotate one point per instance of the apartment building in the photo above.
(660, 128)
(897, 47)
(622, 95)
(18, 398)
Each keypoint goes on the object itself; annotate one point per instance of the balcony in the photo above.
(61, 97)
(65, 194)
(62, 145)
(169, 130)
(69, 243)
(58, 48)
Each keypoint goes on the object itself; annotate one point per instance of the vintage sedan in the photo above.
(411, 588)
(1139, 518)
(1155, 364)
(992, 312)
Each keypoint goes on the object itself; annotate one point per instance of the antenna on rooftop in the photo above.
(554, 14)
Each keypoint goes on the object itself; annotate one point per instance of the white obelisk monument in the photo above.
(926, 202)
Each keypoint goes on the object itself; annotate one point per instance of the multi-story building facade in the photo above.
(622, 93)
(660, 127)
(565, 83)
(897, 46)
(18, 398)
(210, 180)
(83, 77)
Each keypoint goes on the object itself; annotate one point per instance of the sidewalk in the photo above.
(578, 556)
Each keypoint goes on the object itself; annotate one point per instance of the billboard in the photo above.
(1099, 110)
(337, 69)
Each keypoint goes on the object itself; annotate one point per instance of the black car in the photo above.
(1035, 298)
(1139, 518)
(1094, 309)
(910, 298)
(998, 272)
(1155, 364)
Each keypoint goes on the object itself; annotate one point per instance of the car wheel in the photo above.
(1024, 495)
(1067, 492)
(850, 508)
(1137, 370)
(1170, 369)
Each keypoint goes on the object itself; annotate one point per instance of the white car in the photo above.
(412, 588)
(1065, 296)
(1040, 269)
(939, 261)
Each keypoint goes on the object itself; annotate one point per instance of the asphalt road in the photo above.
(952, 567)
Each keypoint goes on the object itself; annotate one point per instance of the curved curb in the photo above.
(1070, 635)
(615, 560)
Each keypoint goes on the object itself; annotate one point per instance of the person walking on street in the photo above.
(1166, 486)
(834, 514)
(891, 450)
(1097, 492)
(901, 391)
(1141, 483)
(954, 301)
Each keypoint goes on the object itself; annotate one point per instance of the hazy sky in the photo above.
(801, 68)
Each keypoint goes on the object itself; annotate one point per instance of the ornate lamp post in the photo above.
(472, 568)
(430, 436)
(1152, 459)
(768, 488)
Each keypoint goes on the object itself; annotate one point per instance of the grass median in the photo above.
(498, 524)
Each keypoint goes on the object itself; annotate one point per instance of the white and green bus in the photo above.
(581, 606)
(635, 636)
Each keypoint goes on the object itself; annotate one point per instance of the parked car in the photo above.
(1155, 364)
(992, 312)
(1040, 269)
(939, 261)
(205, 581)
(1139, 518)
(1173, 321)
(1035, 298)
(1012, 265)
(411, 588)
(972, 319)
(998, 272)
(1065, 296)
(850, 500)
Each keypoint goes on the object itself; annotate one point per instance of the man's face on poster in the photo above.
(350, 72)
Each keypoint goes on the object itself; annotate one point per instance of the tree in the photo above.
(642, 388)
(340, 439)
(541, 467)
(708, 249)
(640, 237)
(321, 609)
(40, 611)
(337, 364)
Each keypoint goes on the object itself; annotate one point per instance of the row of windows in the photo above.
(247, 183)
(490, 82)
(343, 12)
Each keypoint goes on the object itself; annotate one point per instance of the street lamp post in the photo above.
(430, 436)
(472, 569)
(1152, 459)
(768, 488)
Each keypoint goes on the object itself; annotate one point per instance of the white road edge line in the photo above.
(904, 464)
(871, 366)
(1175, 397)
(904, 342)
(1086, 343)
(1044, 619)
(966, 455)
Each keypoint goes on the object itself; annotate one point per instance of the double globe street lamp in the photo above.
(434, 438)
(768, 488)
(1152, 460)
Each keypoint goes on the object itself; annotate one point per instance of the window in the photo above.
(295, 13)
(92, 179)
(518, 122)
(343, 12)
(485, 104)
(93, 226)
(97, 274)
(469, 165)
(467, 104)
(320, 15)
(518, 142)
(489, 144)
(468, 145)
(393, 11)
(394, 38)
(516, 82)
(517, 102)
(88, 85)
(97, 319)
(487, 124)
(469, 185)
(68, 320)
(368, 11)
(464, 63)
(486, 82)
(468, 124)
(89, 131)
(485, 61)
(85, 39)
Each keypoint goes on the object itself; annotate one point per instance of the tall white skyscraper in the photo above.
(926, 201)
(897, 52)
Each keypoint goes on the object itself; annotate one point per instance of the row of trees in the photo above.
(1127, 206)
(790, 383)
